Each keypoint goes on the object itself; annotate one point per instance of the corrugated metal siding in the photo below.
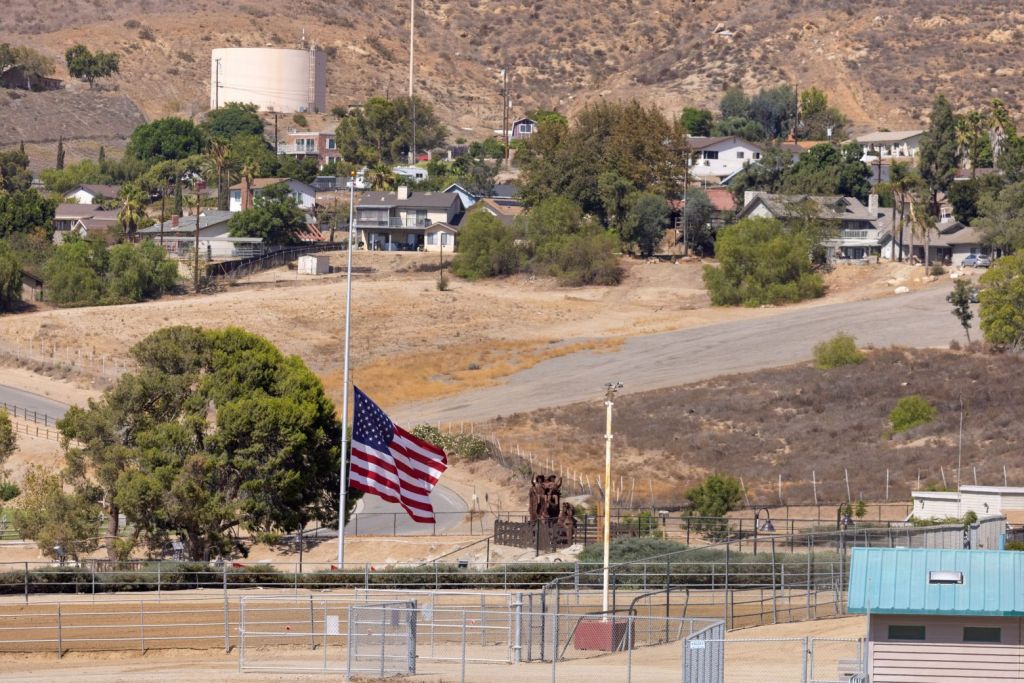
(945, 663)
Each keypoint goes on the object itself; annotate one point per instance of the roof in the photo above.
(888, 136)
(895, 581)
(108, 191)
(416, 200)
(504, 190)
(261, 183)
(69, 211)
(188, 223)
(830, 207)
(697, 143)
(504, 210)
(721, 198)
(455, 187)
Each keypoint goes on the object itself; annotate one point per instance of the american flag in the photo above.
(389, 462)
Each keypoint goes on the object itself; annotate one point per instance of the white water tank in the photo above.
(284, 80)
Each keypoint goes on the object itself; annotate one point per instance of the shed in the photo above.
(940, 616)
(314, 264)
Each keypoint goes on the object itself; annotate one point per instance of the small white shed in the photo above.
(314, 264)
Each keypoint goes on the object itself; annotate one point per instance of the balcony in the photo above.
(391, 223)
(285, 148)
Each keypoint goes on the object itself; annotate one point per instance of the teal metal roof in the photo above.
(895, 581)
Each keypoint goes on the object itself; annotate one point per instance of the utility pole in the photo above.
(216, 88)
(277, 150)
(504, 110)
(195, 271)
(412, 102)
(609, 400)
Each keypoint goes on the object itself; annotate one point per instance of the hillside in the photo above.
(881, 62)
(797, 420)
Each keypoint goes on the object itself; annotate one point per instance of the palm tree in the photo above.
(216, 164)
(132, 209)
(382, 178)
(922, 222)
(1001, 127)
(902, 182)
(250, 169)
(971, 131)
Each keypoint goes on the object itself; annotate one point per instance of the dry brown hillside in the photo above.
(881, 61)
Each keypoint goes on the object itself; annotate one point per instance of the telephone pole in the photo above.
(505, 110)
(216, 87)
(412, 101)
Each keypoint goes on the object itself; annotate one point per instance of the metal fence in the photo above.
(54, 355)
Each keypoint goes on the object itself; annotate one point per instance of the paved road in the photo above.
(920, 319)
(29, 401)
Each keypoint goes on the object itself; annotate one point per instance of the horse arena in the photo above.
(277, 634)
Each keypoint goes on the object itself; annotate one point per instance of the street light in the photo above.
(767, 527)
(609, 401)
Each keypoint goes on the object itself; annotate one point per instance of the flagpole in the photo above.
(344, 377)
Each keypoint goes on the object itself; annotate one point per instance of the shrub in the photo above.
(9, 490)
(937, 270)
(1015, 545)
(585, 259)
(631, 549)
(761, 262)
(300, 120)
(910, 412)
(716, 496)
(442, 283)
(487, 248)
(838, 351)
(461, 446)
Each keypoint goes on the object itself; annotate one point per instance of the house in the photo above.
(523, 128)
(82, 220)
(178, 237)
(504, 191)
(412, 173)
(242, 195)
(92, 193)
(949, 243)
(505, 210)
(981, 500)
(940, 615)
(715, 158)
(467, 197)
(18, 78)
(898, 144)
(302, 144)
(408, 221)
(859, 231)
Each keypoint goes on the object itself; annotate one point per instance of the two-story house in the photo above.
(81, 219)
(243, 195)
(92, 193)
(895, 144)
(715, 158)
(858, 232)
(304, 143)
(408, 221)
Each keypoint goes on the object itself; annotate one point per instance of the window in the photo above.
(710, 154)
(982, 634)
(432, 238)
(444, 239)
(739, 155)
(901, 632)
(332, 143)
(757, 155)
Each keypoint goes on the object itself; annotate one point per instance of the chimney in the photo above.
(246, 195)
(873, 205)
(403, 192)
(174, 221)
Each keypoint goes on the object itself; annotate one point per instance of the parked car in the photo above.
(976, 261)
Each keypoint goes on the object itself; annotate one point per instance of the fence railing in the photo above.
(57, 355)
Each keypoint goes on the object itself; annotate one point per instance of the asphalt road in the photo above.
(919, 319)
(29, 401)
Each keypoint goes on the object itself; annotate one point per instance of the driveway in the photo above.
(919, 319)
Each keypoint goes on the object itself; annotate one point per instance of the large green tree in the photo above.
(716, 496)
(10, 283)
(819, 120)
(14, 173)
(85, 273)
(938, 157)
(86, 65)
(274, 216)
(25, 211)
(761, 261)
(487, 248)
(829, 170)
(645, 222)
(696, 121)
(55, 518)
(1002, 302)
(167, 138)
(234, 118)
(381, 131)
(1001, 217)
(217, 433)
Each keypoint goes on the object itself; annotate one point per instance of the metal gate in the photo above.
(704, 655)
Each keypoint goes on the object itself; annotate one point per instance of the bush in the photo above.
(487, 248)
(10, 278)
(300, 120)
(716, 496)
(838, 351)
(86, 273)
(910, 412)
(937, 270)
(761, 262)
(1015, 545)
(459, 446)
(630, 549)
(584, 259)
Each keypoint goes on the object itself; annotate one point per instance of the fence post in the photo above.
(26, 583)
(629, 647)
(806, 670)
(808, 585)
(517, 641)
(158, 581)
(727, 546)
(775, 615)
(554, 647)
(142, 624)
(312, 625)
(227, 619)
(462, 677)
(348, 635)
(60, 635)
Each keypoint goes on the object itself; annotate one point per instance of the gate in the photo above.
(704, 655)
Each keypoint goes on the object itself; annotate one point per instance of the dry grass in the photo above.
(454, 369)
(795, 420)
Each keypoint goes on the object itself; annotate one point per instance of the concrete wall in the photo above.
(274, 79)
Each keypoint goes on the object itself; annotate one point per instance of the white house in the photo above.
(896, 144)
(467, 197)
(413, 173)
(91, 193)
(984, 501)
(242, 195)
(950, 242)
(716, 158)
(408, 221)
